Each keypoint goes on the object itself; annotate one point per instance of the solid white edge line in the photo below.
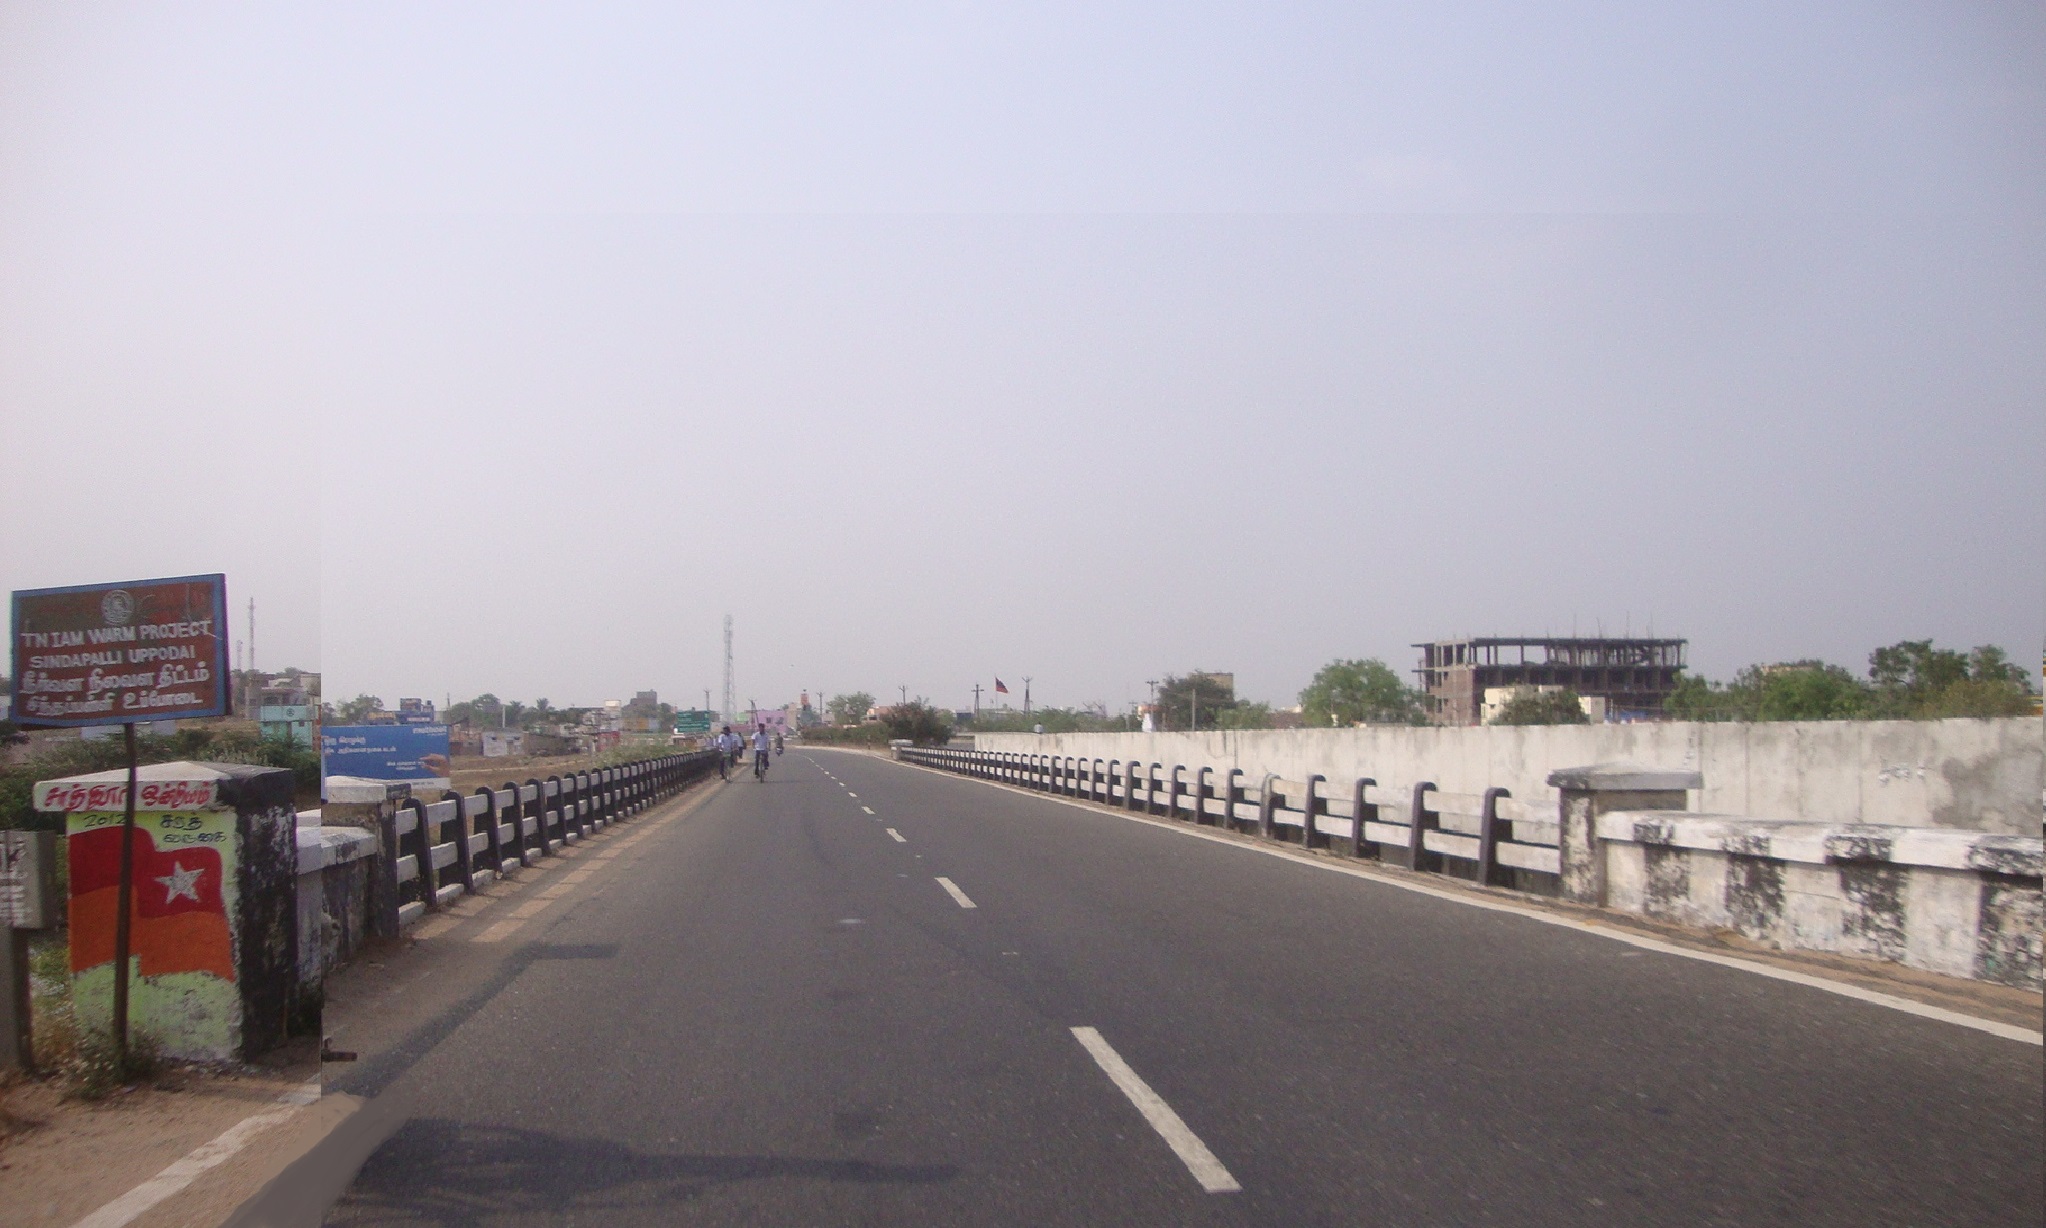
(1185, 1144)
(896, 834)
(181, 1173)
(952, 889)
(1907, 1006)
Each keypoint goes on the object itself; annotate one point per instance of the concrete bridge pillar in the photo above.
(1587, 793)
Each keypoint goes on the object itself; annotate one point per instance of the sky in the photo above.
(510, 347)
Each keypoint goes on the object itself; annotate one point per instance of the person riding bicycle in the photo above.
(728, 745)
(763, 746)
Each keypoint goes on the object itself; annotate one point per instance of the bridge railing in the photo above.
(440, 850)
(1485, 837)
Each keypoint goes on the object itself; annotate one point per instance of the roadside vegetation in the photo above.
(918, 722)
(1530, 706)
(1909, 680)
(227, 743)
(847, 735)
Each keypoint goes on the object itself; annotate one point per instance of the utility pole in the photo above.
(976, 699)
(1026, 695)
(905, 695)
(731, 687)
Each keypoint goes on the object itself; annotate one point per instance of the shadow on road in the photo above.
(441, 1172)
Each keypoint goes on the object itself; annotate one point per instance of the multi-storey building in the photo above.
(1633, 676)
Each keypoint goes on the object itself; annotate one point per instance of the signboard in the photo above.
(118, 654)
(74, 796)
(417, 712)
(385, 752)
(28, 880)
(693, 720)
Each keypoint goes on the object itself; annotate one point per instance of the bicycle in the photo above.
(759, 766)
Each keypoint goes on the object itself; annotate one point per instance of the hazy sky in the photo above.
(509, 347)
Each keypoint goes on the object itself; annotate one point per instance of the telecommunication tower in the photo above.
(731, 688)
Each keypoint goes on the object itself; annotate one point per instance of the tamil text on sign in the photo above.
(111, 654)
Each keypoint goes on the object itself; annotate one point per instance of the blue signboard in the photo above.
(385, 752)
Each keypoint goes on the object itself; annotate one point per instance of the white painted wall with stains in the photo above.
(1962, 774)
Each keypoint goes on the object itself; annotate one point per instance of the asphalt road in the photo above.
(780, 1009)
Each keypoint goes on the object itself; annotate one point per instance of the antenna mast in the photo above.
(731, 688)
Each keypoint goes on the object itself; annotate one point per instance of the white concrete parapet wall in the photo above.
(1961, 903)
(1962, 774)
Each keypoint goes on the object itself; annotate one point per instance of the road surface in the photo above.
(864, 993)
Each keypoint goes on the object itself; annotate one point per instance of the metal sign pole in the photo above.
(123, 910)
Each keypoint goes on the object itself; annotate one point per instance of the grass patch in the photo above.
(82, 1058)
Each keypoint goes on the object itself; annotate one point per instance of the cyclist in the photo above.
(728, 744)
(763, 745)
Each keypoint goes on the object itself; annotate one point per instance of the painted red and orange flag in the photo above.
(179, 917)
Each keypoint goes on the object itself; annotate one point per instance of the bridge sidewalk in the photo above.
(222, 1137)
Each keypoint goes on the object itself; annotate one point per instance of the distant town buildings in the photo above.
(287, 705)
(1632, 676)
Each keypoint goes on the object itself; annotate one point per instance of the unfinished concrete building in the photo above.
(1633, 676)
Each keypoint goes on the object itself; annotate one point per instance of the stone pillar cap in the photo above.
(1625, 777)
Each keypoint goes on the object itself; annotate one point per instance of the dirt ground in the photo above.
(62, 1158)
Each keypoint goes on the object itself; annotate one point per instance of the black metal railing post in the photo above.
(1312, 805)
(1361, 812)
(1488, 836)
(1420, 821)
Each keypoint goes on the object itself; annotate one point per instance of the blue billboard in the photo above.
(385, 752)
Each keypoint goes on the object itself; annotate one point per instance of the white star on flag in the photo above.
(181, 882)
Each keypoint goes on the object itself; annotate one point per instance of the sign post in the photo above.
(28, 896)
(119, 654)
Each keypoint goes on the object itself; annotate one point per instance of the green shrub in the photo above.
(919, 722)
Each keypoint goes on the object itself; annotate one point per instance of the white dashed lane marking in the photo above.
(1185, 1144)
(952, 889)
(896, 835)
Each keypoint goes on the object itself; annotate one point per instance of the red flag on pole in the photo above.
(999, 688)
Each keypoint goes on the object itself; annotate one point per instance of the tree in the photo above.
(1054, 720)
(850, 708)
(1698, 699)
(353, 712)
(1245, 715)
(1806, 691)
(1913, 679)
(1529, 706)
(1359, 692)
(919, 722)
(482, 711)
(1192, 701)
(1981, 697)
